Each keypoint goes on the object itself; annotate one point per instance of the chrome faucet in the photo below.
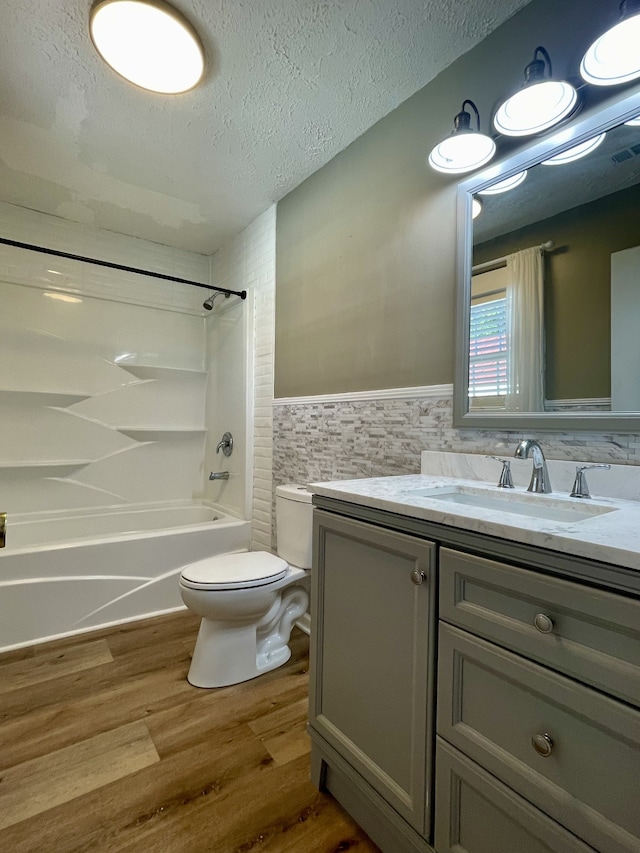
(539, 476)
(225, 444)
(219, 475)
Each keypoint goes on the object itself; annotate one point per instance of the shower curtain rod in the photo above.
(498, 263)
(241, 293)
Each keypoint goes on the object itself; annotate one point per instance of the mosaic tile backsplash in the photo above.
(315, 441)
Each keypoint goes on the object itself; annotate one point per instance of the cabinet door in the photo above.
(587, 633)
(476, 813)
(372, 656)
(571, 751)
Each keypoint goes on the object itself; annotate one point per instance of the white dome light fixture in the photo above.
(505, 185)
(576, 152)
(633, 122)
(148, 43)
(465, 149)
(541, 102)
(614, 57)
(476, 208)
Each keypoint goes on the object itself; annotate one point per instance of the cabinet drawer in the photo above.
(476, 813)
(492, 703)
(592, 635)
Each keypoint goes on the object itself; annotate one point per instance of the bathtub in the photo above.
(64, 573)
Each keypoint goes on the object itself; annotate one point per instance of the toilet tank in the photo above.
(294, 524)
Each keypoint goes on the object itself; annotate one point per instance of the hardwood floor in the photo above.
(105, 746)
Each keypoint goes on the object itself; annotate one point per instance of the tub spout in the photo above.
(219, 475)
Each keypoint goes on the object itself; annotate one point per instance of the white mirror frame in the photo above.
(592, 122)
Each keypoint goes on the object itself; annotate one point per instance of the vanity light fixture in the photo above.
(614, 57)
(633, 122)
(539, 104)
(148, 43)
(476, 208)
(464, 149)
(505, 185)
(575, 153)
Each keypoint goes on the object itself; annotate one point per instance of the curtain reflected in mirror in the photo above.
(506, 343)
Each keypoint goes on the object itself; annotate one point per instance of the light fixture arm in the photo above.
(463, 120)
(536, 68)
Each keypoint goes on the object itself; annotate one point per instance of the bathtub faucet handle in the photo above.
(219, 475)
(226, 444)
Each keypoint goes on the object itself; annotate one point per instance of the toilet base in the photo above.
(228, 654)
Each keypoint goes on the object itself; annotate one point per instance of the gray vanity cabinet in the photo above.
(533, 733)
(371, 697)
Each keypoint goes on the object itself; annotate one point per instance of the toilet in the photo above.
(250, 600)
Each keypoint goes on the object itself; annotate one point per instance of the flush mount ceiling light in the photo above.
(465, 149)
(575, 153)
(148, 43)
(505, 185)
(476, 208)
(615, 57)
(539, 104)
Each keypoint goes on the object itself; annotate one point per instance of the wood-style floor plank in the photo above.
(219, 771)
(54, 664)
(37, 786)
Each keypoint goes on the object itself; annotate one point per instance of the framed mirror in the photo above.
(548, 300)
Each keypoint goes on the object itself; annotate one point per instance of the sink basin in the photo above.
(517, 503)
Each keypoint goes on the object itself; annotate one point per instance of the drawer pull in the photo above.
(543, 744)
(418, 577)
(543, 623)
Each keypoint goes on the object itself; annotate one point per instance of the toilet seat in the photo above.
(234, 571)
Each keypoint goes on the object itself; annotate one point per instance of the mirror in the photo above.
(548, 316)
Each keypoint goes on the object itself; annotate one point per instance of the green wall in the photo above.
(577, 288)
(365, 248)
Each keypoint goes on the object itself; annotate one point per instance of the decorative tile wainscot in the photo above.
(382, 433)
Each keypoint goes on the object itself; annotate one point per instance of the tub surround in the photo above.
(611, 538)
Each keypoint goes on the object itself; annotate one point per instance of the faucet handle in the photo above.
(580, 486)
(506, 480)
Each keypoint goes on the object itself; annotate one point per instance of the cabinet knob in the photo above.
(543, 623)
(418, 577)
(543, 744)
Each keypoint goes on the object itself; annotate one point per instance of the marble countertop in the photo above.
(612, 537)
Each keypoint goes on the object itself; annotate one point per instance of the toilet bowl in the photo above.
(249, 600)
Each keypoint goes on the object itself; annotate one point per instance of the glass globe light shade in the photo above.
(615, 57)
(148, 43)
(535, 108)
(575, 153)
(633, 122)
(505, 185)
(462, 152)
(476, 208)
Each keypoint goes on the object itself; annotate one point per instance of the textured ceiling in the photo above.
(290, 83)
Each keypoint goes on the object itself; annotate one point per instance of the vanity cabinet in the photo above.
(533, 745)
(371, 696)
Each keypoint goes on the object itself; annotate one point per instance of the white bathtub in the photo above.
(63, 573)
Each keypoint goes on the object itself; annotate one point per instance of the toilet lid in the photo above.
(234, 571)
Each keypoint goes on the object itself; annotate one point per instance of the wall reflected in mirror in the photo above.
(584, 352)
